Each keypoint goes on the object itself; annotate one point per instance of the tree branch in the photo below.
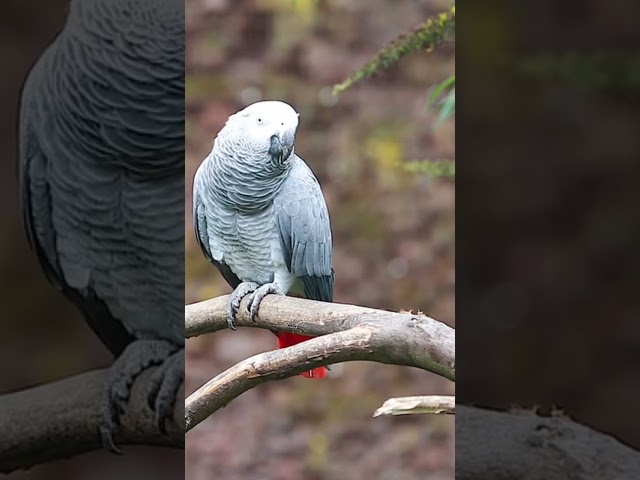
(433, 404)
(60, 420)
(524, 445)
(511, 445)
(345, 333)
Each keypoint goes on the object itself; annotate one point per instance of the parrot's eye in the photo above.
(259, 121)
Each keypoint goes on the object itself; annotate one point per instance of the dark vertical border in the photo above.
(44, 339)
(547, 210)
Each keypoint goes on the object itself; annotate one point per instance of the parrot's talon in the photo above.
(106, 437)
(241, 291)
(165, 383)
(258, 296)
(138, 356)
(250, 303)
(231, 313)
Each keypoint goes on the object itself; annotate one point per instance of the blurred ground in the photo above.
(393, 232)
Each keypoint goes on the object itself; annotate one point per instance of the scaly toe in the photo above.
(250, 299)
(236, 298)
(255, 305)
(231, 314)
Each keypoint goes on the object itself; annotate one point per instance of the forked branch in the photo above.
(345, 333)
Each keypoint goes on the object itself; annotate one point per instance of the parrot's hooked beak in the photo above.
(281, 145)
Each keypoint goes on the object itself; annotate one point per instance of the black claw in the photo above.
(137, 357)
(106, 436)
(230, 317)
(231, 325)
(167, 380)
(254, 313)
(151, 397)
(250, 301)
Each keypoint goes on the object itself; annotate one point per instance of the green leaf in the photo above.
(448, 107)
(439, 89)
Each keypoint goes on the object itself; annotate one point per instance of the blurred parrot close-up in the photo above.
(260, 216)
(101, 160)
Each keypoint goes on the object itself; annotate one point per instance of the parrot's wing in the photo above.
(37, 211)
(202, 236)
(305, 232)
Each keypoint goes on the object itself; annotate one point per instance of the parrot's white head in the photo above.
(264, 127)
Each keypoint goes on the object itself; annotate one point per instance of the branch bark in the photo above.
(488, 444)
(432, 404)
(524, 445)
(60, 420)
(344, 333)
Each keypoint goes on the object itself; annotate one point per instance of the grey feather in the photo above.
(305, 231)
(101, 146)
(202, 237)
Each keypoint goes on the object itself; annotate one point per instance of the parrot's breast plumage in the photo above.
(250, 245)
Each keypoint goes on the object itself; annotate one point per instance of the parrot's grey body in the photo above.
(259, 212)
(102, 184)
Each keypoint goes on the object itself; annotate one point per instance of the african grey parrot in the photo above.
(102, 184)
(260, 216)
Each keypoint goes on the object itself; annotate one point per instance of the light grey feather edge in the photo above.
(42, 223)
(34, 192)
(305, 231)
(200, 227)
(199, 219)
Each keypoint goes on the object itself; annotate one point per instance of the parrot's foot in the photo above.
(258, 295)
(138, 356)
(165, 382)
(238, 294)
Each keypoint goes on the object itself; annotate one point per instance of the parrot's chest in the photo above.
(251, 247)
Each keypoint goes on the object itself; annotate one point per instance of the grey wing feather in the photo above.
(200, 226)
(89, 145)
(305, 232)
(36, 205)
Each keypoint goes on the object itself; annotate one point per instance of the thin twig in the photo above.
(432, 404)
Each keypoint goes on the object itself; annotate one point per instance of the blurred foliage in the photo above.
(432, 33)
(427, 36)
(433, 168)
(446, 92)
(617, 71)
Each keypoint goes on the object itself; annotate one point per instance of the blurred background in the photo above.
(393, 231)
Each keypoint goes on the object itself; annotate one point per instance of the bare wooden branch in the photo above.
(60, 420)
(510, 445)
(403, 338)
(344, 333)
(432, 404)
(524, 445)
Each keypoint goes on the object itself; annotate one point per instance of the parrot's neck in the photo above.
(246, 185)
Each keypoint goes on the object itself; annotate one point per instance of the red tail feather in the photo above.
(286, 339)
